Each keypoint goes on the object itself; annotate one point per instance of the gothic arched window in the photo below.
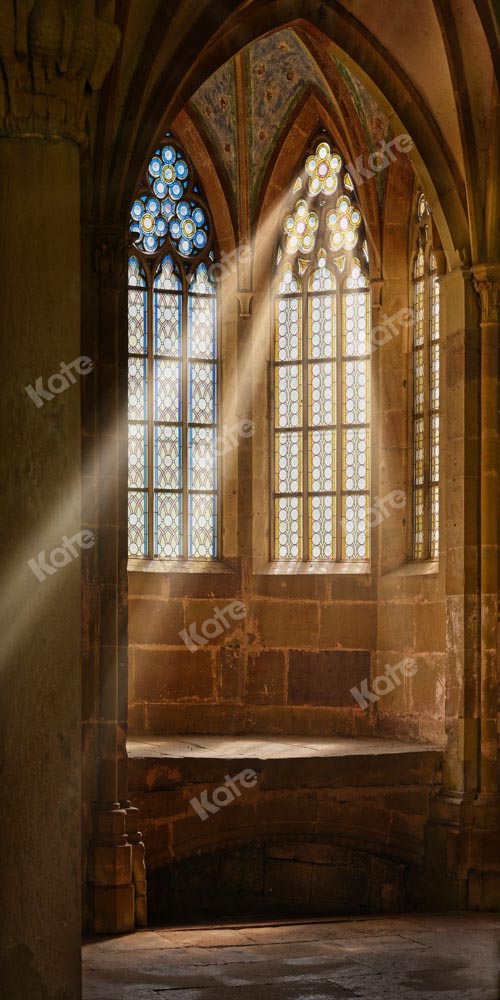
(426, 350)
(322, 370)
(173, 375)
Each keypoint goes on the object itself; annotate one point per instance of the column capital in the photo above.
(245, 304)
(376, 288)
(53, 53)
(111, 254)
(487, 285)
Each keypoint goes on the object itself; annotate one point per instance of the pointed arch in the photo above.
(175, 73)
(195, 140)
(310, 117)
(321, 366)
(173, 364)
(426, 263)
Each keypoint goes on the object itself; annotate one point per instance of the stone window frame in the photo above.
(423, 235)
(160, 564)
(309, 567)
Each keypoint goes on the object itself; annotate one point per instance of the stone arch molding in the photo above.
(365, 839)
(338, 31)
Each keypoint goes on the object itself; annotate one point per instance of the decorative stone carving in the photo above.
(111, 255)
(245, 304)
(53, 53)
(487, 286)
(138, 865)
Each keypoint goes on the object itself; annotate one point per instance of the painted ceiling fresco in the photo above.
(374, 121)
(215, 104)
(278, 70)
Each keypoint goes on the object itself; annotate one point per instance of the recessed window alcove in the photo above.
(279, 464)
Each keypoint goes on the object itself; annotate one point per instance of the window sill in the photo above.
(428, 567)
(205, 566)
(299, 568)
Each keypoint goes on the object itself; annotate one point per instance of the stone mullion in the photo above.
(245, 363)
(378, 470)
(245, 328)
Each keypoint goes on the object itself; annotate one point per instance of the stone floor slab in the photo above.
(412, 957)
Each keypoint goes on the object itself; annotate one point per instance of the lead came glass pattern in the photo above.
(418, 405)
(202, 416)
(168, 525)
(173, 374)
(138, 523)
(426, 374)
(322, 370)
(137, 309)
(202, 524)
(169, 209)
(137, 406)
(434, 349)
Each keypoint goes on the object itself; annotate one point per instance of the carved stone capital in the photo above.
(376, 288)
(487, 285)
(111, 255)
(245, 304)
(53, 53)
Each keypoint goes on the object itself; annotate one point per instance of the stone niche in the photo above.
(292, 879)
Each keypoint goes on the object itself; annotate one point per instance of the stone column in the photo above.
(449, 832)
(485, 878)
(487, 285)
(114, 856)
(463, 842)
(50, 58)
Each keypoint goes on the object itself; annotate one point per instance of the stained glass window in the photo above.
(322, 370)
(173, 368)
(426, 408)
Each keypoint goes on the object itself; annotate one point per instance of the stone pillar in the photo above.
(50, 57)
(449, 831)
(463, 846)
(487, 285)
(461, 524)
(485, 878)
(114, 856)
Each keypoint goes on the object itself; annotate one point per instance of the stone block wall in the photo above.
(289, 665)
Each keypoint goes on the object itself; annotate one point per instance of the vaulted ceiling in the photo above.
(426, 67)
(278, 71)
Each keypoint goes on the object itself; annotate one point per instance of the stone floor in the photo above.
(408, 957)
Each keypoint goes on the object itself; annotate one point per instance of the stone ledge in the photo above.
(267, 747)
(285, 763)
(371, 794)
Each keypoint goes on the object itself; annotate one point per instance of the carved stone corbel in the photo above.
(245, 304)
(111, 245)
